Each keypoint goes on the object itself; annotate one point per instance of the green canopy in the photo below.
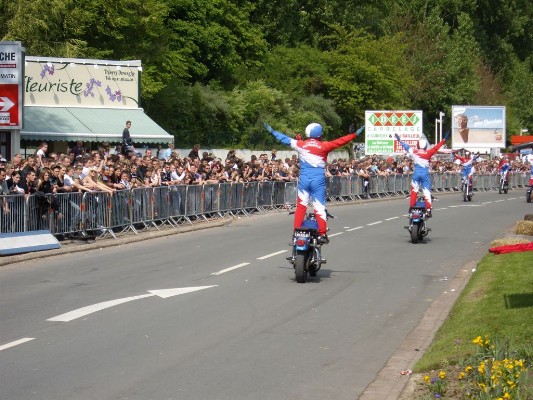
(90, 125)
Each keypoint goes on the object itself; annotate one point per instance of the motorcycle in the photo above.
(306, 257)
(504, 183)
(466, 188)
(418, 217)
(528, 192)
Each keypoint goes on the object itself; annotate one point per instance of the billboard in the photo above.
(479, 127)
(11, 59)
(82, 83)
(381, 126)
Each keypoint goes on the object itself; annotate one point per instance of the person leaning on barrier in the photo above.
(28, 183)
(13, 183)
(4, 190)
(91, 182)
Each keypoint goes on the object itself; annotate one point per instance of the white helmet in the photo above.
(313, 130)
(423, 144)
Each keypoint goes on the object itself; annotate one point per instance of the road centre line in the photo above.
(374, 223)
(353, 229)
(271, 254)
(391, 218)
(230, 268)
(336, 234)
(15, 343)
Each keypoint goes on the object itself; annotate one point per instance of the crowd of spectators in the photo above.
(109, 170)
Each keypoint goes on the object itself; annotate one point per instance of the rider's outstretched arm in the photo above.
(405, 146)
(280, 136)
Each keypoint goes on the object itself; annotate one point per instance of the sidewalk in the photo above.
(78, 245)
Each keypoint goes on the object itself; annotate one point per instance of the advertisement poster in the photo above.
(81, 83)
(480, 127)
(11, 58)
(381, 126)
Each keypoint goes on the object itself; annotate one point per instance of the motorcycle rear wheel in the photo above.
(300, 268)
(415, 233)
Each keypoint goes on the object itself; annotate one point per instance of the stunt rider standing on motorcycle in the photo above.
(468, 168)
(313, 154)
(421, 180)
(504, 167)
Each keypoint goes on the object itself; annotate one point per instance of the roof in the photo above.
(522, 146)
(517, 140)
(90, 125)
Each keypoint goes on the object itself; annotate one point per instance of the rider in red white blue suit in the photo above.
(468, 164)
(312, 154)
(421, 179)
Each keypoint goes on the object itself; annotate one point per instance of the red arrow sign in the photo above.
(9, 109)
(5, 104)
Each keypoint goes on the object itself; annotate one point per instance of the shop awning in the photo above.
(90, 125)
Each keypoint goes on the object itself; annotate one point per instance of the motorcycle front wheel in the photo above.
(465, 192)
(528, 196)
(300, 269)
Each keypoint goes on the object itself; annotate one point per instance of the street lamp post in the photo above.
(438, 123)
(441, 114)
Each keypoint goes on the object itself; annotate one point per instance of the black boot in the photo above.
(323, 239)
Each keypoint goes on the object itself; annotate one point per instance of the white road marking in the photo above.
(165, 293)
(353, 229)
(336, 234)
(81, 312)
(230, 268)
(390, 219)
(499, 201)
(15, 343)
(375, 223)
(272, 254)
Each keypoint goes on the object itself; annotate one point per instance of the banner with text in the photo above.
(11, 59)
(82, 83)
(478, 127)
(381, 126)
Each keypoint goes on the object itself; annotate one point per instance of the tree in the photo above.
(367, 73)
(216, 39)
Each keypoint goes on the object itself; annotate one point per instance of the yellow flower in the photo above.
(478, 341)
(481, 368)
(427, 378)
(461, 375)
(506, 396)
(468, 369)
(442, 374)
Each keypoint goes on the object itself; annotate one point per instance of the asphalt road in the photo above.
(106, 324)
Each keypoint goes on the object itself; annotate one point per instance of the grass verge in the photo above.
(497, 303)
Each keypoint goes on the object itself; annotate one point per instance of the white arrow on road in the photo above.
(163, 293)
(6, 103)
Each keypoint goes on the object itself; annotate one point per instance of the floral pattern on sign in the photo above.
(47, 68)
(90, 86)
(117, 95)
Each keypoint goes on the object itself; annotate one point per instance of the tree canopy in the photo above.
(214, 70)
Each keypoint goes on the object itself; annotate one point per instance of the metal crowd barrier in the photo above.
(102, 213)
